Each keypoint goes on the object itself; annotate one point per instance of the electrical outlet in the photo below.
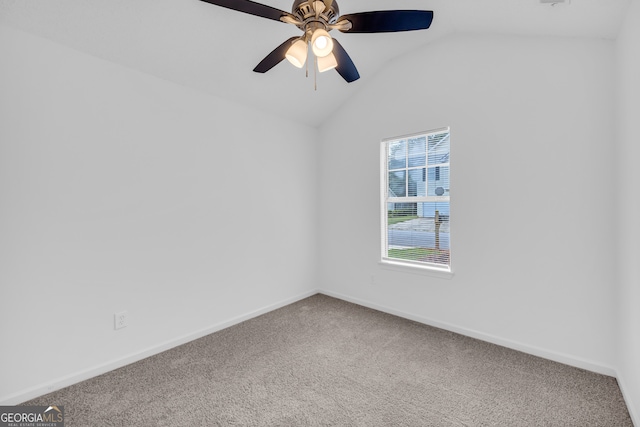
(120, 320)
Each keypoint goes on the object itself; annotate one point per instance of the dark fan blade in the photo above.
(386, 21)
(250, 7)
(345, 67)
(274, 57)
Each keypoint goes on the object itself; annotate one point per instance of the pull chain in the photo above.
(307, 62)
(315, 73)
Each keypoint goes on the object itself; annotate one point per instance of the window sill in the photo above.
(442, 273)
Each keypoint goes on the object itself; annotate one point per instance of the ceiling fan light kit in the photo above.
(316, 18)
(326, 63)
(321, 43)
(297, 53)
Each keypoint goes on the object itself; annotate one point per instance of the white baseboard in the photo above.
(535, 351)
(635, 416)
(77, 377)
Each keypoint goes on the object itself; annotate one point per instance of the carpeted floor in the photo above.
(326, 362)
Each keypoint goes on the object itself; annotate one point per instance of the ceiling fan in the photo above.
(316, 18)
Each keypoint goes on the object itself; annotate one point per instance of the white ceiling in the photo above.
(214, 50)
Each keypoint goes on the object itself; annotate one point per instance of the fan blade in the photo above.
(346, 67)
(386, 21)
(251, 7)
(275, 57)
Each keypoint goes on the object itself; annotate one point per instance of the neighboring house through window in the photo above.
(415, 195)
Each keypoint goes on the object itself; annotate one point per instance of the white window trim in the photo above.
(422, 270)
(406, 266)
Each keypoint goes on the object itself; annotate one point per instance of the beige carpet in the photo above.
(326, 362)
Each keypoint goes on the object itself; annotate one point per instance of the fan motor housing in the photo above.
(304, 10)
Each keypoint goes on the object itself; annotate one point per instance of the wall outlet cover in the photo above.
(120, 320)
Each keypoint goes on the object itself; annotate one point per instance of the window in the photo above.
(415, 194)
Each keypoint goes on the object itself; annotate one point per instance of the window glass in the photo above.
(439, 149)
(397, 157)
(417, 183)
(438, 179)
(398, 183)
(417, 151)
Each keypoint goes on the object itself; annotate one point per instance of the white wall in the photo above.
(628, 91)
(532, 199)
(120, 191)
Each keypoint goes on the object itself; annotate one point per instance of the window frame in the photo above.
(411, 266)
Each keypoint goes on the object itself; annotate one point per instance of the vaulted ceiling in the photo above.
(214, 50)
